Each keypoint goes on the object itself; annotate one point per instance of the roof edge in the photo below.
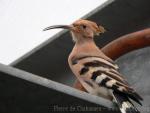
(54, 85)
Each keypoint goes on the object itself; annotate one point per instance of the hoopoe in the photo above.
(97, 73)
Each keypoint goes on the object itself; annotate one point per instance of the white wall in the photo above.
(22, 21)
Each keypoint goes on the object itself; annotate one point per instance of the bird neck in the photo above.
(84, 41)
(85, 46)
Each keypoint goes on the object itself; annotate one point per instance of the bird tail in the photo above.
(125, 105)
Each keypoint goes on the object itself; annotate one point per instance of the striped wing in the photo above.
(105, 74)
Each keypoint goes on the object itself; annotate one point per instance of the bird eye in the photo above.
(84, 26)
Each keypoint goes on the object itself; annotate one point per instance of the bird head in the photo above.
(81, 29)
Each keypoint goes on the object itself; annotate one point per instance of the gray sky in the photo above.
(22, 21)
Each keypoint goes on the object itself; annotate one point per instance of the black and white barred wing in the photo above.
(95, 73)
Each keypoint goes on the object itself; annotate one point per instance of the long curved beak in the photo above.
(57, 26)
